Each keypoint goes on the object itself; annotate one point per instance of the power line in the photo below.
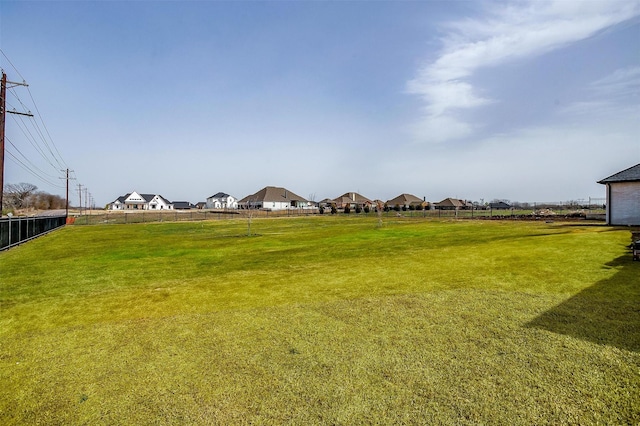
(10, 63)
(29, 161)
(57, 158)
(31, 139)
(17, 161)
(47, 141)
(45, 126)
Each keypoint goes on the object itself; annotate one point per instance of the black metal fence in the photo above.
(16, 230)
(535, 211)
(146, 216)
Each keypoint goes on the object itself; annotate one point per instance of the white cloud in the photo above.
(557, 162)
(504, 34)
(614, 94)
(622, 82)
(440, 128)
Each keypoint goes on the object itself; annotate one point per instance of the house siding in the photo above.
(222, 201)
(276, 205)
(623, 207)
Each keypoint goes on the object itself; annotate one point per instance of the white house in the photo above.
(221, 201)
(274, 198)
(623, 197)
(135, 201)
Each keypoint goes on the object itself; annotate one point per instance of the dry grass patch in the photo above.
(321, 321)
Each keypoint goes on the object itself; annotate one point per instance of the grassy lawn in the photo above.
(321, 320)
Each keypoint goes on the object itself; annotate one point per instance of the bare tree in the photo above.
(44, 201)
(247, 212)
(379, 209)
(16, 194)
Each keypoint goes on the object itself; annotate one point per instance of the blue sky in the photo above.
(526, 101)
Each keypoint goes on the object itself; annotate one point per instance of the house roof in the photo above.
(146, 197)
(121, 198)
(499, 205)
(352, 197)
(273, 194)
(164, 200)
(405, 199)
(182, 205)
(220, 195)
(632, 174)
(451, 202)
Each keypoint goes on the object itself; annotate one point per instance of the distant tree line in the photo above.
(21, 196)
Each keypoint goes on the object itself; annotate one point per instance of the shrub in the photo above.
(358, 209)
(347, 209)
(367, 209)
(397, 207)
(334, 210)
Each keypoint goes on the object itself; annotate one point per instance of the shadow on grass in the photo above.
(606, 313)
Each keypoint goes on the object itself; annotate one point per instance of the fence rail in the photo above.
(111, 217)
(17, 230)
(103, 218)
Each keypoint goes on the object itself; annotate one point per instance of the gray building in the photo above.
(623, 197)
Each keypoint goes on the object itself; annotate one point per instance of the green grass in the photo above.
(321, 320)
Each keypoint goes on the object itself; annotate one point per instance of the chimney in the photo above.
(353, 195)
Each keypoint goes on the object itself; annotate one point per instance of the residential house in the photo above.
(623, 197)
(183, 205)
(453, 204)
(136, 201)
(274, 198)
(327, 202)
(352, 200)
(499, 205)
(407, 201)
(222, 200)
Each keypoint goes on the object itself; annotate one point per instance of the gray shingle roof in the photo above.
(220, 195)
(451, 202)
(349, 198)
(273, 193)
(631, 174)
(182, 205)
(404, 199)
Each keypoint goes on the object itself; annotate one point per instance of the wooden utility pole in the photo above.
(66, 205)
(80, 195)
(3, 103)
(66, 209)
(3, 115)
